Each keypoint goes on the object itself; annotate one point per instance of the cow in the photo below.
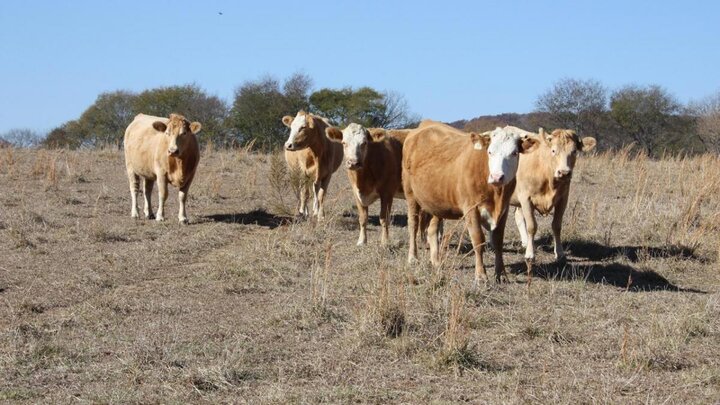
(543, 184)
(373, 161)
(163, 150)
(450, 174)
(310, 151)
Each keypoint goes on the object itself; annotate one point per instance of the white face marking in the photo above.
(298, 123)
(503, 155)
(354, 142)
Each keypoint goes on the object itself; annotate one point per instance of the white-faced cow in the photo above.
(451, 174)
(310, 151)
(373, 162)
(163, 150)
(543, 184)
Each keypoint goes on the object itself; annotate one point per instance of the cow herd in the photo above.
(441, 172)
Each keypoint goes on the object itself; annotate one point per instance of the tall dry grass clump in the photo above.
(283, 178)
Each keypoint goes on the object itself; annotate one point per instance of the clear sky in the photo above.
(451, 59)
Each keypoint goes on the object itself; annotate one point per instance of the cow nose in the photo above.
(562, 172)
(497, 177)
(172, 151)
(289, 146)
(352, 164)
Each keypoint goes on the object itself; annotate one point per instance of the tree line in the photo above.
(254, 115)
(649, 116)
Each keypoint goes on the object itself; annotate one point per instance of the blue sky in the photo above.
(451, 59)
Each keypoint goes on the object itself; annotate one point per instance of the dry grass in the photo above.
(249, 305)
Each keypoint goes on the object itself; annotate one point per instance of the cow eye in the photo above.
(515, 153)
(553, 151)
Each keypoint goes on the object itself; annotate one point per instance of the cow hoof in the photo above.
(149, 216)
(361, 243)
(184, 221)
(134, 215)
(160, 219)
(561, 259)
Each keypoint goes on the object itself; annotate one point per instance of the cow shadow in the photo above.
(255, 217)
(615, 274)
(397, 220)
(594, 251)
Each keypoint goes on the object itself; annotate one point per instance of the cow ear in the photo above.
(547, 138)
(376, 134)
(310, 121)
(528, 144)
(287, 120)
(334, 134)
(480, 141)
(159, 126)
(195, 127)
(588, 144)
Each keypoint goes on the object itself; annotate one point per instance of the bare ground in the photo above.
(247, 305)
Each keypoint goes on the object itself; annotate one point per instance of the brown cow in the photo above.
(163, 150)
(309, 150)
(450, 174)
(373, 159)
(543, 185)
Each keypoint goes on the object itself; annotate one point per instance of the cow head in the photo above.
(178, 131)
(355, 139)
(503, 147)
(564, 146)
(301, 129)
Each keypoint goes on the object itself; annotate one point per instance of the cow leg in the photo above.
(147, 194)
(432, 237)
(477, 237)
(134, 181)
(304, 194)
(320, 191)
(557, 228)
(412, 215)
(182, 197)
(520, 222)
(530, 227)
(497, 235)
(385, 209)
(363, 220)
(162, 196)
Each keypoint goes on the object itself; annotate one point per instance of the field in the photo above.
(246, 304)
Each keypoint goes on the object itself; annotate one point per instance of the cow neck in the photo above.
(373, 170)
(316, 143)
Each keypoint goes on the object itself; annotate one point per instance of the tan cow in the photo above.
(163, 150)
(373, 160)
(543, 184)
(309, 150)
(451, 174)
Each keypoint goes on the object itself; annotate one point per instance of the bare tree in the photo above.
(575, 104)
(396, 112)
(22, 138)
(707, 111)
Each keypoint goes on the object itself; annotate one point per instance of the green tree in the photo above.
(190, 101)
(649, 116)
(68, 135)
(365, 106)
(104, 122)
(260, 104)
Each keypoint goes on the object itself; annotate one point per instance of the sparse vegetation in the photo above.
(248, 305)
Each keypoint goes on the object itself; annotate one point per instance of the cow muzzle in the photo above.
(562, 173)
(496, 179)
(173, 151)
(353, 165)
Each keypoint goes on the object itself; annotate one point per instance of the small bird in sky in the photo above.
(220, 12)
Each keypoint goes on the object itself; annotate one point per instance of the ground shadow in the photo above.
(596, 252)
(616, 274)
(398, 220)
(255, 217)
